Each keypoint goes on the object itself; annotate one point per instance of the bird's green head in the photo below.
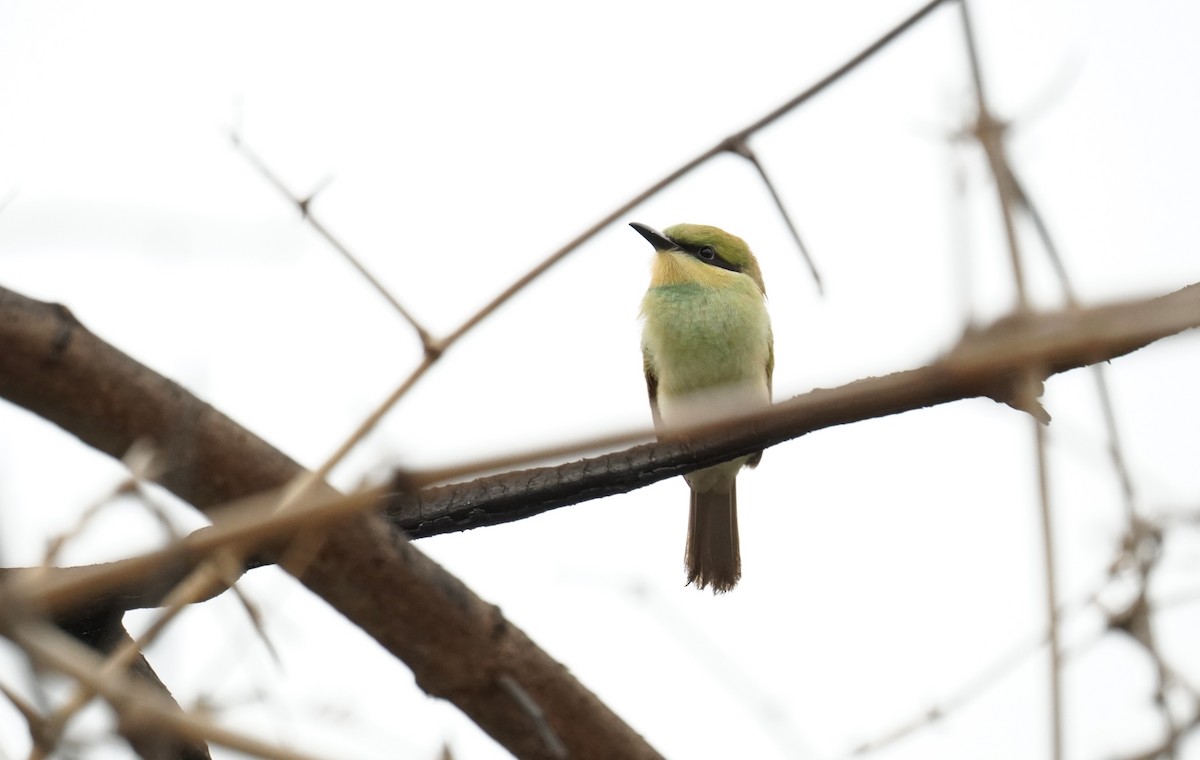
(700, 253)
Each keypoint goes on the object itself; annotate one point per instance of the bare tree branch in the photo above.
(51, 364)
(744, 150)
(150, 719)
(149, 739)
(736, 143)
(727, 144)
(985, 363)
(304, 205)
(990, 132)
(456, 644)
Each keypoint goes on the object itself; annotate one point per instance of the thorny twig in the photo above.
(744, 150)
(989, 131)
(304, 204)
(969, 369)
(140, 461)
(134, 702)
(435, 348)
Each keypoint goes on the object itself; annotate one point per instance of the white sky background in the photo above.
(885, 563)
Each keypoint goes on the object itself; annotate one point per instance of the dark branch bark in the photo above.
(983, 364)
(103, 632)
(458, 646)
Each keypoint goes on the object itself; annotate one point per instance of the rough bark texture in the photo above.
(102, 631)
(985, 363)
(458, 646)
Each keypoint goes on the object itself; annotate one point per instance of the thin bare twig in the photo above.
(1055, 341)
(1061, 341)
(986, 355)
(1048, 560)
(1166, 748)
(139, 460)
(988, 677)
(975, 367)
(1116, 454)
(54, 366)
(1043, 231)
(304, 204)
(252, 521)
(737, 138)
(134, 702)
(32, 716)
(990, 133)
(441, 346)
(1140, 556)
(305, 483)
(985, 679)
(744, 150)
(119, 660)
(435, 349)
(1012, 183)
(717, 656)
(1104, 395)
(216, 569)
(141, 463)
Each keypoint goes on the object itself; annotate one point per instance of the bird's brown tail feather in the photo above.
(713, 557)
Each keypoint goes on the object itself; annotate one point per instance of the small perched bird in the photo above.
(707, 351)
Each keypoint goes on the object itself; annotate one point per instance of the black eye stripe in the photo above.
(708, 255)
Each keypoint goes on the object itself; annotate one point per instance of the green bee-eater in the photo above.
(707, 351)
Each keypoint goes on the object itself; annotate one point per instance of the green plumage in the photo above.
(707, 350)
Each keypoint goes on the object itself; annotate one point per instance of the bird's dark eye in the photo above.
(707, 253)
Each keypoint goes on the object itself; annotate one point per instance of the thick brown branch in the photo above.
(457, 645)
(984, 363)
(148, 738)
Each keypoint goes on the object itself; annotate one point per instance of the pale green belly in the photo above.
(709, 348)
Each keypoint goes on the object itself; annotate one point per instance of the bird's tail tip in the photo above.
(713, 556)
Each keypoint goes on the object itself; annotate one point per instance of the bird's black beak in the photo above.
(656, 238)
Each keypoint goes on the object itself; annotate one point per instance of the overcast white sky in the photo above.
(885, 563)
